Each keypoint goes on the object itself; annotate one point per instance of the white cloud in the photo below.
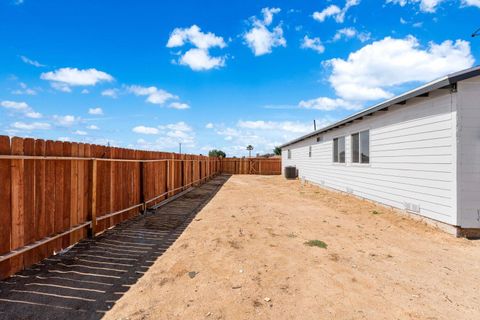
(153, 94)
(328, 104)
(429, 6)
(209, 125)
(170, 135)
(21, 107)
(200, 60)
(289, 126)
(18, 106)
(93, 127)
(179, 106)
(313, 43)
(31, 62)
(372, 71)
(85, 91)
(65, 121)
(80, 133)
(95, 111)
(65, 78)
(260, 39)
(329, 11)
(473, 3)
(197, 58)
(335, 12)
(31, 126)
(145, 130)
(24, 90)
(349, 33)
(112, 93)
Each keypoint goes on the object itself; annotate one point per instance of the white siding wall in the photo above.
(412, 158)
(469, 152)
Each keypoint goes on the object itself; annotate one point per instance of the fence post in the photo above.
(142, 187)
(92, 214)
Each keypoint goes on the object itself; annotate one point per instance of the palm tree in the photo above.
(249, 148)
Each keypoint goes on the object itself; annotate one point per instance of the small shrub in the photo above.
(316, 243)
(376, 212)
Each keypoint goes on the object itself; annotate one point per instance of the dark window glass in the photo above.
(310, 151)
(289, 154)
(365, 146)
(355, 148)
(341, 149)
(335, 150)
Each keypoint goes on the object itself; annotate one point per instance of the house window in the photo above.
(319, 139)
(309, 151)
(289, 154)
(361, 147)
(339, 150)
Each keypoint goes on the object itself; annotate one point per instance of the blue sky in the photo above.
(216, 74)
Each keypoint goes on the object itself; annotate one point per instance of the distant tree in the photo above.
(277, 151)
(217, 153)
(249, 148)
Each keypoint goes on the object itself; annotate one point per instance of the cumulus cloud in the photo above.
(312, 43)
(197, 58)
(209, 125)
(20, 107)
(169, 135)
(474, 3)
(93, 127)
(335, 12)
(264, 135)
(153, 94)
(348, 33)
(429, 6)
(179, 106)
(112, 93)
(64, 78)
(329, 104)
(145, 130)
(95, 111)
(260, 38)
(24, 90)
(65, 121)
(372, 71)
(30, 126)
(31, 62)
(80, 132)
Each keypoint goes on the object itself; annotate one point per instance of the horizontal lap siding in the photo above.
(412, 158)
(469, 152)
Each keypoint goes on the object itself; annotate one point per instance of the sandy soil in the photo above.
(244, 257)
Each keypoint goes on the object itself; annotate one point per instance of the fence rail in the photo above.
(53, 193)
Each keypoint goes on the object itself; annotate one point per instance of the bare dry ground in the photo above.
(244, 257)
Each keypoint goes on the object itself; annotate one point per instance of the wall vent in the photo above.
(412, 207)
(319, 139)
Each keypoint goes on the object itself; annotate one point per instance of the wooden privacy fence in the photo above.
(264, 166)
(53, 194)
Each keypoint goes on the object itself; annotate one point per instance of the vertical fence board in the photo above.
(5, 208)
(17, 204)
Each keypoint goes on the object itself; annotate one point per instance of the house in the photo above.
(418, 152)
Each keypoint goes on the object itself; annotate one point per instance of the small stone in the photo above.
(267, 299)
(192, 274)
(241, 271)
(208, 314)
(236, 287)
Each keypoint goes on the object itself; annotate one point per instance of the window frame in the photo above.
(360, 159)
(338, 138)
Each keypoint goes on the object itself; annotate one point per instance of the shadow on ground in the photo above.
(85, 282)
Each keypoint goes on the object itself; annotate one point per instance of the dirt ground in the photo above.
(244, 257)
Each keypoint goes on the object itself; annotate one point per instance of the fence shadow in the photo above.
(86, 281)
